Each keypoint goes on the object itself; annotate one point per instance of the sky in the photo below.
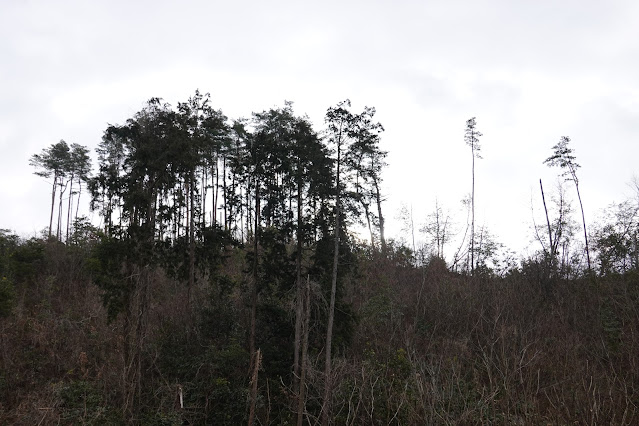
(529, 71)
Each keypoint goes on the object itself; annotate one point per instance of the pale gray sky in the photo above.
(530, 71)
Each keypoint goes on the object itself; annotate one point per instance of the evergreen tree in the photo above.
(471, 137)
(53, 163)
(367, 160)
(78, 169)
(563, 158)
(339, 122)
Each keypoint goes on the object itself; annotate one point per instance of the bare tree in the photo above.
(437, 230)
(560, 230)
(405, 216)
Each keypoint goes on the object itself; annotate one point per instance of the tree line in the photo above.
(226, 251)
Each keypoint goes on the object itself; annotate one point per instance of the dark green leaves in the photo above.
(563, 158)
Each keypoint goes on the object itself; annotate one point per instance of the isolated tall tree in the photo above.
(472, 140)
(339, 121)
(52, 162)
(563, 158)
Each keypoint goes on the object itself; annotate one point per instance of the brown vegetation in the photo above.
(428, 347)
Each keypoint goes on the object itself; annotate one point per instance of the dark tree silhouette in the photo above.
(564, 159)
(471, 137)
(66, 165)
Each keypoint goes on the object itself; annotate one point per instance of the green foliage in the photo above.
(275, 338)
(564, 158)
(7, 296)
(617, 239)
(504, 352)
(276, 266)
(472, 135)
(384, 381)
(82, 403)
(27, 260)
(108, 265)
(67, 165)
(84, 234)
(8, 245)
(610, 324)
(212, 372)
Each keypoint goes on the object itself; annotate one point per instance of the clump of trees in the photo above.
(65, 165)
(274, 190)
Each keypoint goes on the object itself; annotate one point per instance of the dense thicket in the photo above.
(224, 285)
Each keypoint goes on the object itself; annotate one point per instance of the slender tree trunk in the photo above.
(438, 231)
(255, 273)
(140, 334)
(241, 216)
(412, 228)
(378, 199)
(583, 220)
(299, 289)
(249, 218)
(440, 247)
(205, 188)
(256, 368)
(458, 254)
(217, 187)
(472, 221)
(363, 200)
(135, 326)
(328, 384)
(368, 223)
(224, 189)
(119, 200)
(543, 197)
(178, 212)
(191, 238)
(233, 213)
(69, 207)
(301, 403)
(53, 190)
(127, 325)
(77, 206)
(481, 243)
(108, 225)
(176, 218)
(59, 230)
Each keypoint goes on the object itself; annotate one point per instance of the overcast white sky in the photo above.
(530, 71)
